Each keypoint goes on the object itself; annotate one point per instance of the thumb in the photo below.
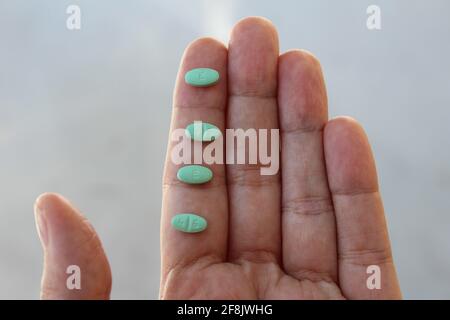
(75, 265)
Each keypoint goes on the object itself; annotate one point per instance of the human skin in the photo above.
(308, 232)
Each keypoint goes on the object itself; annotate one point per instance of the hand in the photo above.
(308, 232)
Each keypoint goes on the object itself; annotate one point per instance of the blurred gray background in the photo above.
(86, 113)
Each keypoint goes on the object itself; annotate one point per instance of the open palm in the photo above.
(308, 232)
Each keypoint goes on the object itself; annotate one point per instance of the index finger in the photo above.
(209, 200)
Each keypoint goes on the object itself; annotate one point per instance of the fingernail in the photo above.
(41, 225)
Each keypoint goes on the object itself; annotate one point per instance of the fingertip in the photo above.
(253, 58)
(299, 56)
(349, 157)
(302, 93)
(203, 52)
(49, 201)
(254, 24)
(59, 222)
(299, 65)
(39, 216)
(205, 44)
(257, 31)
(344, 125)
(53, 207)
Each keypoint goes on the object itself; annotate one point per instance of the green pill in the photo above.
(189, 222)
(201, 77)
(202, 131)
(194, 174)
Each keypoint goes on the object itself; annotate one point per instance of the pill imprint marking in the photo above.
(201, 77)
(189, 223)
(194, 174)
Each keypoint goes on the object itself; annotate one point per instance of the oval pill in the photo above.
(201, 77)
(189, 222)
(202, 131)
(194, 174)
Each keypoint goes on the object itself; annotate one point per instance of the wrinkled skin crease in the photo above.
(209, 279)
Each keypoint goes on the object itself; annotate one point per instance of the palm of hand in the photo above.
(308, 232)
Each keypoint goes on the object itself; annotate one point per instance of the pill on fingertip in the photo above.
(201, 77)
(194, 174)
(189, 222)
(202, 131)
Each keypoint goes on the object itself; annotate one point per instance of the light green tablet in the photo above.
(194, 174)
(201, 77)
(189, 222)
